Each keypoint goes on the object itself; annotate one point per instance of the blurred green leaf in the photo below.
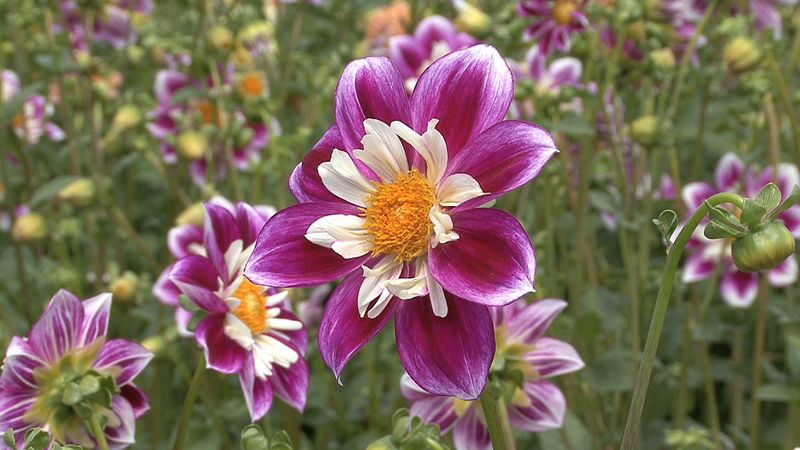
(49, 190)
(778, 393)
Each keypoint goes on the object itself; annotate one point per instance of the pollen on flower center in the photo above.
(563, 10)
(397, 216)
(252, 309)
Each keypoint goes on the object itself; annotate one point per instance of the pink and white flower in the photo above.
(392, 199)
(66, 345)
(556, 21)
(768, 15)
(434, 37)
(113, 22)
(31, 123)
(249, 329)
(538, 405)
(738, 289)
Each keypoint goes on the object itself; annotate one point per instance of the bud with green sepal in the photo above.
(410, 433)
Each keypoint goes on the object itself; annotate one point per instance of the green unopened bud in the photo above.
(741, 54)
(29, 228)
(192, 145)
(124, 288)
(472, 19)
(220, 37)
(192, 215)
(127, 117)
(763, 247)
(253, 438)
(79, 192)
(663, 59)
(644, 130)
(71, 395)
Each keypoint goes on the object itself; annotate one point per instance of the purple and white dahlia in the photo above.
(31, 123)
(393, 198)
(434, 37)
(556, 21)
(113, 21)
(738, 289)
(66, 375)
(538, 405)
(249, 329)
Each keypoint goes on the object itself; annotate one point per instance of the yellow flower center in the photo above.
(252, 309)
(563, 10)
(398, 216)
(252, 84)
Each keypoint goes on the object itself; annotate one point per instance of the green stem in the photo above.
(188, 402)
(630, 436)
(499, 429)
(98, 433)
(758, 356)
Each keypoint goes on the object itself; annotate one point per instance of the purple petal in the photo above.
(552, 357)
(18, 367)
(257, 393)
(95, 321)
(296, 338)
(181, 238)
(165, 290)
(220, 229)
(697, 267)
(492, 262)
(124, 435)
(182, 320)
(291, 384)
(250, 222)
(531, 321)
(222, 353)
(546, 411)
(729, 172)
(565, 72)
(784, 274)
(59, 328)
(791, 218)
(13, 407)
(370, 88)
(137, 398)
(450, 355)
(305, 182)
(739, 289)
(125, 359)
(694, 194)
(283, 257)
(430, 408)
(468, 91)
(168, 82)
(471, 433)
(198, 279)
(504, 157)
(342, 332)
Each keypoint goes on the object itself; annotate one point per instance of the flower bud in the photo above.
(741, 54)
(135, 53)
(471, 19)
(220, 37)
(763, 247)
(192, 145)
(79, 192)
(29, 228)
(644, 130)
(663, 58)
(154, 343)
(127, 117)
(192, 215)
(124, 288)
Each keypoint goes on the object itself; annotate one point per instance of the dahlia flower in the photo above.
(187, 239)
(173, 120)
(31, 123)
(538, 405)
(768, 16)
(738, 289)
(113, 22)
(248, 329)
(556, 21)
(434, 37)
(66, 375)
(392, 198)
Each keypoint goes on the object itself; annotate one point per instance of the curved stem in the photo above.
(191, 396)
(98, 433)
(496, 420)
(630, 436)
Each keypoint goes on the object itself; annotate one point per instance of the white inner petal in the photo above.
(458, 188)
(431, 146)
(343, 233)
(383, 152)
(374, 285)
(343, 179)
(442, 227)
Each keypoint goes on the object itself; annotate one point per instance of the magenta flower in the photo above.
(738, 289)
(113, 22)
(768, 15)
(536, 406)
(172, 118)
(556, 21)
(434, 37)
(31, 123)
(185, 240)
(391, 199)
(249, 329)
(67, 347)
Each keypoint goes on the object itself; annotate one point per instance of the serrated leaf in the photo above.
(752, 213)
(724, 218)
(48, 190)
(775, 392)
(769, 197)
(790, 201)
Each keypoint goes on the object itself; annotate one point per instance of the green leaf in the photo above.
(609, 372)
(10, 108)
(790, 201)
(252, 438)
(775, 392)
(724, 218)
(8, 438)
(666, 223)
(574, 430)
(752, 213)
(769, 197)
(573, 125)
(717, 231)
(49, 190)
(280, 441)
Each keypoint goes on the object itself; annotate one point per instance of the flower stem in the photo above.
(188, 402)
(630, 436)
(98, 433)
(496, 421)
(758, 356)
